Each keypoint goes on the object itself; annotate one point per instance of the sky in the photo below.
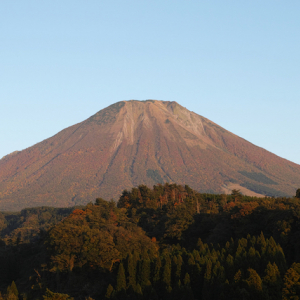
(236, 63)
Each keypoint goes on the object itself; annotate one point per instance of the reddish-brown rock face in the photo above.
(139, 142)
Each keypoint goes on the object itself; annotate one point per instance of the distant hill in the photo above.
(140, 142)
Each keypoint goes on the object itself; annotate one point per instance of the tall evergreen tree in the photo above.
(167, 271)
(13, 289)
(157, 270)
(131, 267)
(109, 292)
(121, 279)
(206, 291)
(145, 273)
(254, 284)
(273, 281)
(178, 267)
(186, 289)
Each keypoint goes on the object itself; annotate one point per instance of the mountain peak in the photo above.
(140, 142)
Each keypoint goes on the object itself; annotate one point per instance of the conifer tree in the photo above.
(145, 273)
(131, 267)
(273, 281)
(207, 275)
(167, 272)
(121, 279)
(186, 289)
(229, 267)
(139, 291)
(206, 291)
(196, 255)
(254, 284)
(157, 268)
(109, 292)
(201, 246)
(237, 277)
(261, 241)
(280, 260)
(178, 267)
(187, 280)
(13, 289)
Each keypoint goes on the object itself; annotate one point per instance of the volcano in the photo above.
(140, 142)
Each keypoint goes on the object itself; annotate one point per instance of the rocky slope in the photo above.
(140, 142)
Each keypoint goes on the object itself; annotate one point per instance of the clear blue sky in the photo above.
(234, 62)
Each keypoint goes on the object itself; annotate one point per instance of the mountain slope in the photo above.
(139, 142)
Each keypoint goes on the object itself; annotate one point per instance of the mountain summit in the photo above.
(140, 142)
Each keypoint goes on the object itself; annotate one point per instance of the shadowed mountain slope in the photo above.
(140, 142)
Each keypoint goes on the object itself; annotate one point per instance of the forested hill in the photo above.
(169, 242)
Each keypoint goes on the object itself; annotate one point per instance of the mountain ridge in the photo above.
(140, 142)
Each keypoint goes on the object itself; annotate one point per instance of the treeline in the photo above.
(168, 242)
(248, 268)
(25, 226)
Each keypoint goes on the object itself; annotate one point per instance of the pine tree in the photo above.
(206, 291)
(207, 275)
(229, 267)
(178, 267)
(167, 272)
(187, 280)
(157, 267)
(186, 290)
(109, 292)
(121, 279)
(201, 247)
(131, 267)
(237, 277)
(254, 284)
(139, 291)
(273, 281)
(145, 273)
(12, 292)
(14, 289)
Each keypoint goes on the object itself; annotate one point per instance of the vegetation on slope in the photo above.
(168, 242)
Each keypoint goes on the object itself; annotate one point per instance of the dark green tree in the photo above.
(178, 267)
(254, 285)
(109, 292)
(272, 281)
(167, 272)
(236, 195)
(121, 279)
(157, 269)
(186, 289)
(145, 273)
(131, 267)
(13, 289)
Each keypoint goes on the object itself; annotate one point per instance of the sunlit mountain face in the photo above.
(140, 142)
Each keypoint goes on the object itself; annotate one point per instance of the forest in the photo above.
(165, 242)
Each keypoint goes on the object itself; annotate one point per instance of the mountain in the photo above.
(140, 142)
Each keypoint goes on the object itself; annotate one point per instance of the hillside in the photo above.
(169, 242)
(140, 142)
